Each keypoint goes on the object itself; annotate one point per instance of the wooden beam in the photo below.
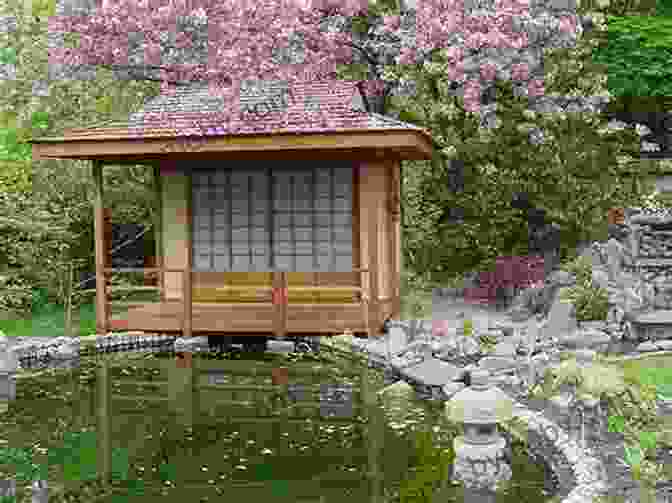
(101, 249)
(410, 144)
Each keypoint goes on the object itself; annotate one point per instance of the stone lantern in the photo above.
(480, 454)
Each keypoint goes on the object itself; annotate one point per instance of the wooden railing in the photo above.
(279, 295)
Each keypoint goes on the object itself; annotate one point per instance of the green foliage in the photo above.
(663, 8)
(576, 175)
(637, 56)
(7, 56)
(432, 464)
(20, 462)
(590, 301)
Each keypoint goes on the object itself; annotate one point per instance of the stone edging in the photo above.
(587, 470)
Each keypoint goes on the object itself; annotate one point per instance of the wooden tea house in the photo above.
(284, 226)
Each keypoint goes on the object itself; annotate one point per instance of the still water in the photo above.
(231, 430)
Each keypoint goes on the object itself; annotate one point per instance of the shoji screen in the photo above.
(263, 219)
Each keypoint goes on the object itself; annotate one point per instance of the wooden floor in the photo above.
(241, 318)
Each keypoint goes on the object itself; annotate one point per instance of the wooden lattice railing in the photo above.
(279, 295)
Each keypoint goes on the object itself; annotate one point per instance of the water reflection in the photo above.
(176, 433)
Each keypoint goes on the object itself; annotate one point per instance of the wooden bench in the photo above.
(256, 287)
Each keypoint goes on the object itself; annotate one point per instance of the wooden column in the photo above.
(395, 241)
(372, 188)
(101, 249)
(186, 283)
(280, 299)
(158, 230)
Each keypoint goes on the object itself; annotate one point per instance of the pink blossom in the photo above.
(242, 33)
(535, 88)
(391, 23)
(567, 24)
(488, 71)
(519, 72)
(408, 56)
(472, 96)
(456, 72)
(440, 328)
(455, 53)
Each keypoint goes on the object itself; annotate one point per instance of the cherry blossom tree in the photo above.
(295, 40)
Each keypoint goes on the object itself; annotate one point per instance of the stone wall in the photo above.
(651, 248)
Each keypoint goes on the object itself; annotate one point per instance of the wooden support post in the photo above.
(373, 214)
(158, 231)
(280, 298)
(104, 426)
(102, 318)
(395, 242)
(186, 284)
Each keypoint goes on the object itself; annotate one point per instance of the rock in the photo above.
(506, 349)
(497, 364)
(660, 301)
(433, 372)
(646, 347)
(519, 313)
(561, 278)
(615, 258)
(600, 277)
(561, 319)
(584, 338)
(470, 346)
(595, 253)
(452, 388)
(665, 345)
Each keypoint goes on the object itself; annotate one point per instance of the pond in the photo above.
(222, 427)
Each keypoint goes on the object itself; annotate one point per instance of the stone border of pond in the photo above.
(580, 476)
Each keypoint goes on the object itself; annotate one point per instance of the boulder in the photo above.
(584, 338)
(452, 388)
(497, 364)
(505, 349)
(646, 347)
(664, 345)
(561, 278)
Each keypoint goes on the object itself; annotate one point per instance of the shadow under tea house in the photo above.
(266, 229)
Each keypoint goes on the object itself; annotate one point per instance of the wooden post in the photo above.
(371, 199)
(104, 426)
(158, 231)
(395, 242)
(101, 249)
(186, 284)
(280, 299)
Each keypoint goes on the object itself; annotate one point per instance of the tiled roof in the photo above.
(339, 101)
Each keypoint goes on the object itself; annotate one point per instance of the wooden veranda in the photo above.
(319, 247)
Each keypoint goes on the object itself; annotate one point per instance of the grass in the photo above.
(654, 371)
(50, 322)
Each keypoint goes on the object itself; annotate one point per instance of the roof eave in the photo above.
(415, 143)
